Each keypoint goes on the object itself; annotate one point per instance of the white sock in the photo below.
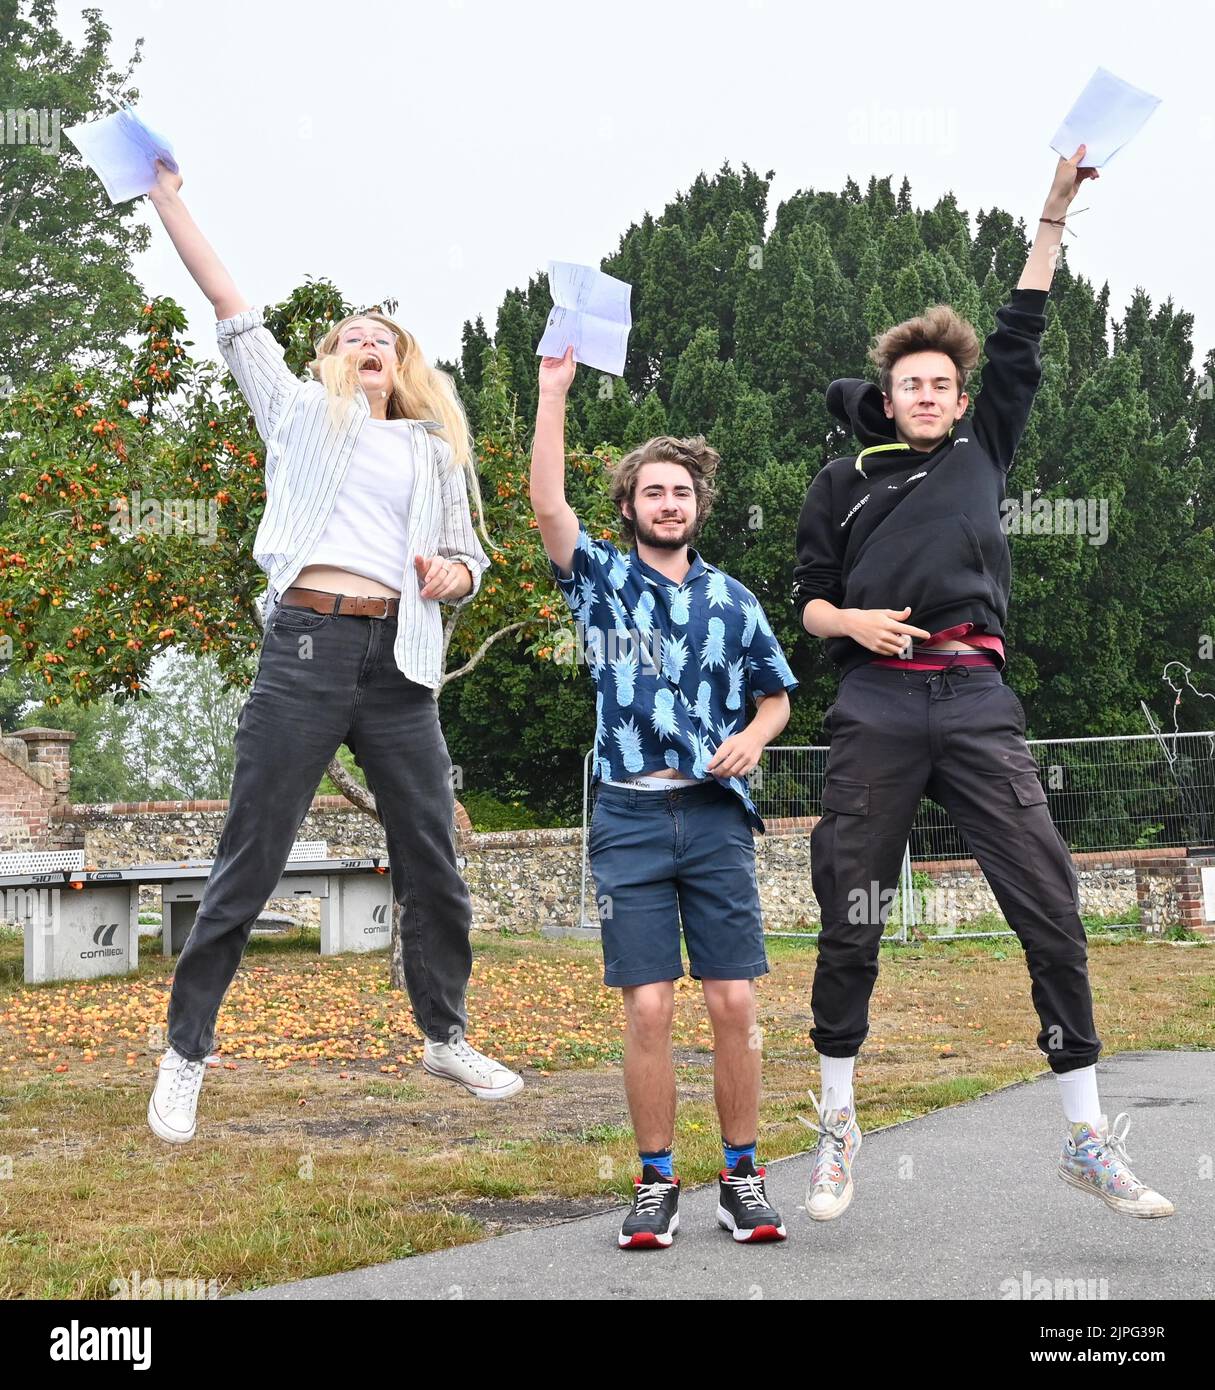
(1078, 1090)
(837, 1081)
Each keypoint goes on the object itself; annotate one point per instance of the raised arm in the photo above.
(252, 353)
(194, 248)
(1013, 368)
(555, 517)
(1043, 256)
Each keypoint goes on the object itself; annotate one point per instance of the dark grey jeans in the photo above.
(324, 680)
(957, 736)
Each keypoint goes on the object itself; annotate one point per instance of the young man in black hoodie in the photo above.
(904, 568)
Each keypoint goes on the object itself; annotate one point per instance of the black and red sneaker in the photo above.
(654, 1218)
(742, 1205)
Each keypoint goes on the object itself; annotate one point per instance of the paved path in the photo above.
(963, 1203)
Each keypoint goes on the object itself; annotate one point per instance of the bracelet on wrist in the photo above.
(1062, 221)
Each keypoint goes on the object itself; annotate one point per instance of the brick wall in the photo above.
(35, 770)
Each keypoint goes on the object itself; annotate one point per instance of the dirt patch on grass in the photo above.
(500, 1216)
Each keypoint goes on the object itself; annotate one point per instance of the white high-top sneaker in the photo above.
(171, 1108)
(485, 1078)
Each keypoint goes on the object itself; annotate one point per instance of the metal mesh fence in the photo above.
(1133, 791)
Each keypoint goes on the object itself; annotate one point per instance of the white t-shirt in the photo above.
(367, 529)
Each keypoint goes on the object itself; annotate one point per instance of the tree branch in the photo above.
(351, 788)
(482, 649)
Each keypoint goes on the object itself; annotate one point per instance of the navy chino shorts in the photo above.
(662, 857)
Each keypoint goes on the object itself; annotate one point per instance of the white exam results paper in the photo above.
(590, 310)
(1106, 115)
(121, 149)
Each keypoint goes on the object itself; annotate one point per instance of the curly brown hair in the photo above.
(939, 329)
(694, 454)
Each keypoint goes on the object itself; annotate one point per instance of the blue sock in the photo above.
(734, 1152)
(663, 1160)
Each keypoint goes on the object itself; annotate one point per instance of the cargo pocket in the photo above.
(846, 797)
(1029, 789)
(841, 853)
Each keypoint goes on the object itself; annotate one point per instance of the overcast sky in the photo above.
(443, 152)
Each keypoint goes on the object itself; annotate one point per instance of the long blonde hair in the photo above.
(419, 392)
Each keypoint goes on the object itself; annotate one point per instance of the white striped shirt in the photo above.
(306, 460)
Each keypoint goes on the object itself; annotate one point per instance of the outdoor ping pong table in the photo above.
(80, 923)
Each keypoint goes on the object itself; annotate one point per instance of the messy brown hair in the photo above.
(694, 454)
(939, 329)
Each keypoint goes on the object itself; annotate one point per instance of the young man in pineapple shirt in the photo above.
(903, 567)
(675, 647)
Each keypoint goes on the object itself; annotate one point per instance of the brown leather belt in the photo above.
(347, 605)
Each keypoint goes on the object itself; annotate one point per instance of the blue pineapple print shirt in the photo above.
(673, 664)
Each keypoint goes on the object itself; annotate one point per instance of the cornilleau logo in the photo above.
(854, 510)
(103, 937)
(379, 915)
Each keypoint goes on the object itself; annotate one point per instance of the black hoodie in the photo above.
(922, 530)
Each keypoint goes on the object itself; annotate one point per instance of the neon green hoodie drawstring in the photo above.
(880, 449)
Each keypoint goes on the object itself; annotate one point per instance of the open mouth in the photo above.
(371, 363)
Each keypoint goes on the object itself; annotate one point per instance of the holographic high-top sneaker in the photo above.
(830, 1188)
(1096, 1161)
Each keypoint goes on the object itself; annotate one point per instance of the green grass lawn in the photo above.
(322, 1146)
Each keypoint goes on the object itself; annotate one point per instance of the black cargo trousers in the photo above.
(956, 735)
